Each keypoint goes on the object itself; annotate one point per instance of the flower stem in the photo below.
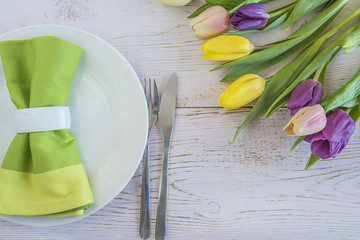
(258, 48)
(236, 8)
(344, 22)
(348, 110)
(268, 78)
(318, 73)
(282, 10)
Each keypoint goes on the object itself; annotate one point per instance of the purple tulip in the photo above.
(334, 137)
(307, 93)
(250, 17)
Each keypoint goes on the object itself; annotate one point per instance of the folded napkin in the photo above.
(42, 174)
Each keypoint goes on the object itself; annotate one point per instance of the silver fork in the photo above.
(153, 108)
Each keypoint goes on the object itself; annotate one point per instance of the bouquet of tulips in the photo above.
(326, 123)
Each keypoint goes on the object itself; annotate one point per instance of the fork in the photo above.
(153, 110)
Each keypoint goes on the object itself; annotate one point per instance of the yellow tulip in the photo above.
(244, 90)
(226, 48)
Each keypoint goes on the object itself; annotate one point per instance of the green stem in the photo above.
(348, 110)
(258, 48)
(282, 10)
(344, 22)
(268, 78)
(236, 8)
(318, 72)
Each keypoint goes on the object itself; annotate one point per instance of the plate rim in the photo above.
(132, 71)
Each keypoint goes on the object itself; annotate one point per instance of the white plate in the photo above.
(108, 110)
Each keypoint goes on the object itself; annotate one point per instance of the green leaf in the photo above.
(301, 67)
(276, 86)
(322, 76)
(241, 32)
(326, 100)
(355, 112)
(209, 3)
(302, 7)
(292, 40)
(297, 142)
(352, 41)
(275, 22)
(318, 20)
(312, 160)
(226, 3)
(285, 98)
(200, 10)
(349, 91)
(284, 9)
(270, 24)
(351, 103)
(281, 103)
(239, 70)
(329, 3)
(312, 66)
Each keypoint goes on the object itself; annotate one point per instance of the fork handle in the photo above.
(144, 227)
(160, 230)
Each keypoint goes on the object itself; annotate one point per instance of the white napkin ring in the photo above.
(42, 119)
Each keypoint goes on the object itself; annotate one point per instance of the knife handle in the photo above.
(144, 227)
(160, 230)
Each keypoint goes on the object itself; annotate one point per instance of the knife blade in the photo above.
(166, 122)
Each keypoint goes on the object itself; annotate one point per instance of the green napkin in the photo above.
(42, 174)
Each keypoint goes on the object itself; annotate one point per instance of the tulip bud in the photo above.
(242, 91)
(226, 48)
(307, 93)
(250, 17)
(307, 120)
(334, 137)
(211, 22)
(175, 2)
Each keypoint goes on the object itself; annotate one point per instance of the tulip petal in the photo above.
(250, 24)
(308, 120)
(253, 10)
(223, 57)
(334, 137)
(321, 149)
(316, 94)
(307, 93)
(226, 48)
(242, 91)
(213, 21)
(250, 17)
(340, 126)
(315, 137)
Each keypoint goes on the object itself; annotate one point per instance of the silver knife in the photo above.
(166, 122)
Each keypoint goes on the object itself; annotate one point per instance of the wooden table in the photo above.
(252, 189)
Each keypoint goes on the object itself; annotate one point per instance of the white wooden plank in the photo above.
(252, 189)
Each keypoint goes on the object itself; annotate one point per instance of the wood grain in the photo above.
(252, 189)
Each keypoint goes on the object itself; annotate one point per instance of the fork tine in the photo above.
(150, 95)
(146, 92)
(156, 96)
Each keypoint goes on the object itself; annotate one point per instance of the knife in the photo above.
(166, 122)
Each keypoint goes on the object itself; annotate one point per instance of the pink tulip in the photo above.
(306, 121)
(211, 22)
